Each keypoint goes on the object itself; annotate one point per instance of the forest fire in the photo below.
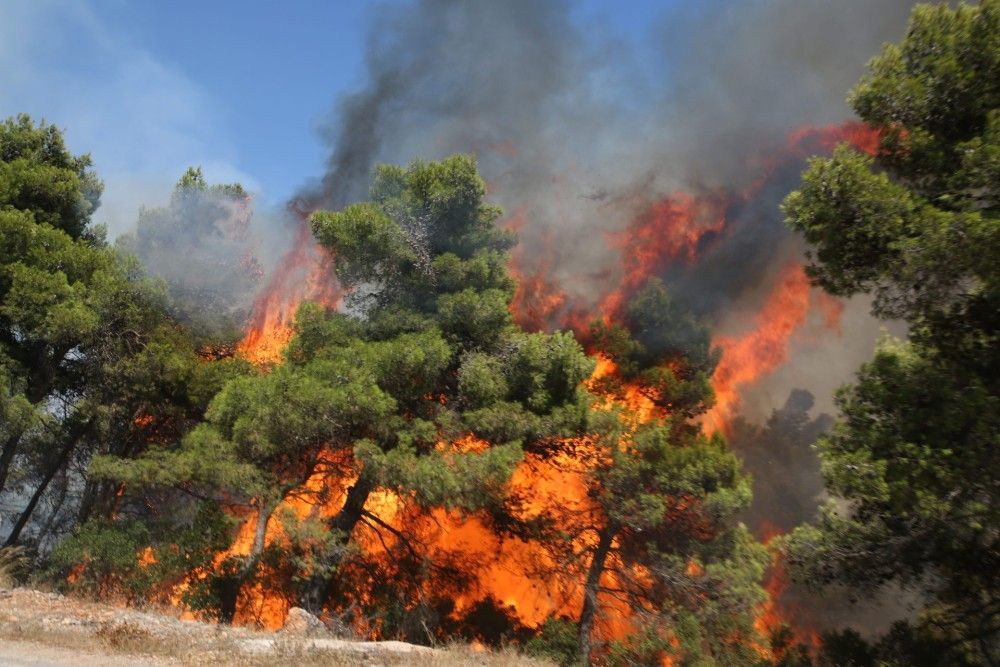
(481, 571)
(668, 232)
(479, 568)
(715, 392)
(777, 617)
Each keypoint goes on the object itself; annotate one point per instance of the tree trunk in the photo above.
(7, 457)
(54, 467)
(229, 594)
(260, 532)
(57, 506)
(589, 611)
(320, 585)
(88, 501)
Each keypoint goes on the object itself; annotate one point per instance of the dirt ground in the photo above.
(40, 629)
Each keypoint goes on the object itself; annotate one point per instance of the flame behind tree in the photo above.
(666, 535)
(305, 273)
(289, 484)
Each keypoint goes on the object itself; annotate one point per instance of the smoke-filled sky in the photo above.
(244, 88)
(583, 116)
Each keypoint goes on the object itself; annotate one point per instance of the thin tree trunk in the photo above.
(57, 506)
(229, 596)
(594, 572)
(39, 385)
(260, 532)
(57, 464)
(320, 585)
(88, 499)
(7, 457)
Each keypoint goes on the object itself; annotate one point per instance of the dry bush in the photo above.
(124, 636)
(13, 563)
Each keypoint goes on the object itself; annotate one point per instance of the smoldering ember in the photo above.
(611, 335)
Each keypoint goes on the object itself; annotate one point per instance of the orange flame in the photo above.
(518, 573)
(747, 358)
(807, 140)
(669, 231)
(305, 273)
(775, 614)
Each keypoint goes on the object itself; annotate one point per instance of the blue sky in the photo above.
(240, 88)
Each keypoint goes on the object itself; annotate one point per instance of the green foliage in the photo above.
(89, 361)
(39, 176)
(142, 561)
(481, 380)
(426, 235)
(425, 355)
(17, 414)
(101, 558)
(371, 247)
(934, 93)
(649, 646)
(474, 318)
(425, 387)
(453, 480)
(853, 216)
(556, 641)
(660, 344)
(670, 497)
(918, 227)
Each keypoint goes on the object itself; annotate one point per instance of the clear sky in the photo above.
(240, 88)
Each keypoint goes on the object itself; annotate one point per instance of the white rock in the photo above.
(301, 623)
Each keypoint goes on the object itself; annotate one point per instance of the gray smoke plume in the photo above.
(576, 140)
(755, 69)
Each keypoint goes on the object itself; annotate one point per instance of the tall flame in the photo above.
(748, 357)
(669, 231)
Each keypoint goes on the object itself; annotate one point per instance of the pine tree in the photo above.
(915, 452)
(88, 359)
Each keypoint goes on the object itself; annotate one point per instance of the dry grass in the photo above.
(454, 656)
(104, 640)
(141, 648)
(13, 562)
(130, 642)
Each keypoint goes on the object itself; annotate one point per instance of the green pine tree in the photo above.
(915, 452)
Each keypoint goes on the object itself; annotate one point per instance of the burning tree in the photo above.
(370, 402)
(665, 497)
(419, 425)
